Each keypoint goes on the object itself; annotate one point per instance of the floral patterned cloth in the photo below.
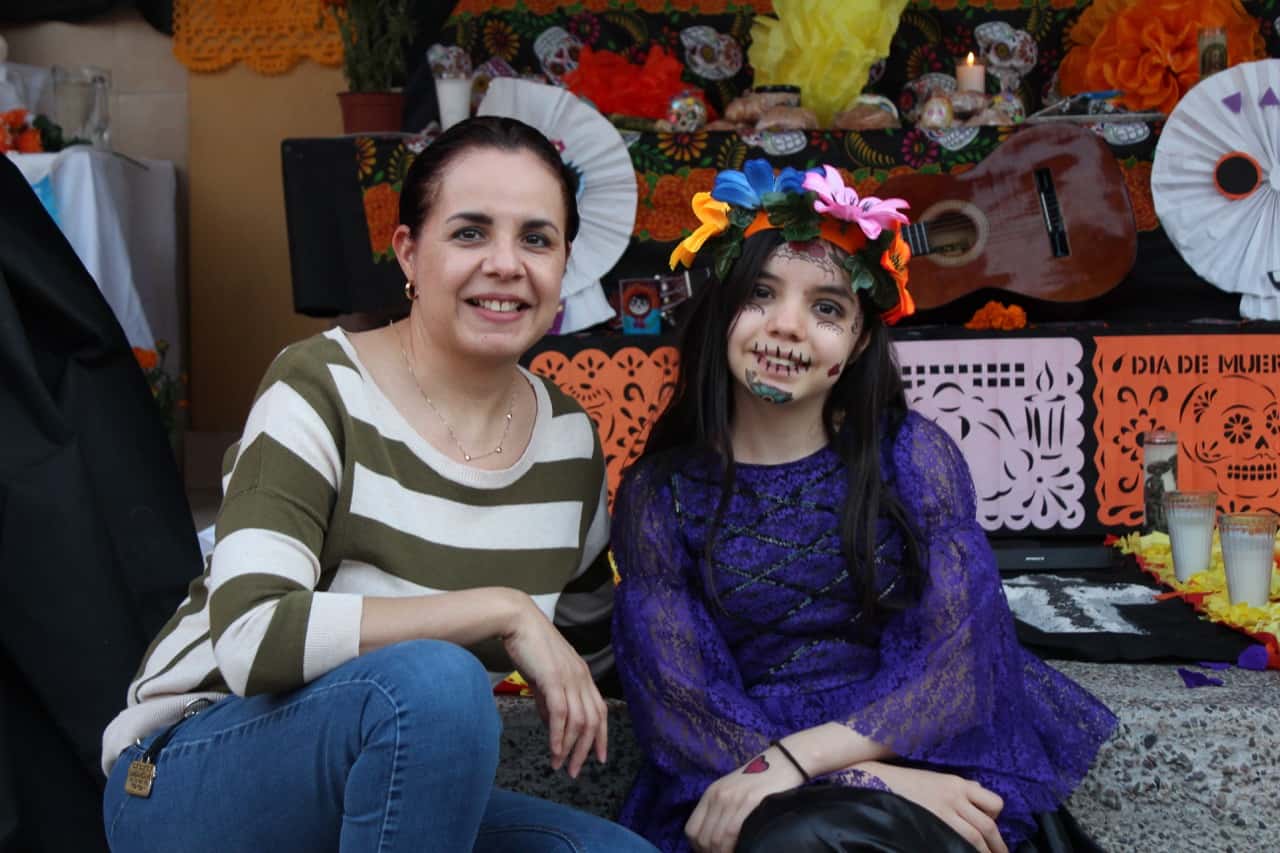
(944, 683)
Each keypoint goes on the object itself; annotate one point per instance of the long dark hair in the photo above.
(422, 181)
(866, 406)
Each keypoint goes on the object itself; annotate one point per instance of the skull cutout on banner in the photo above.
(557, 51)
(710, 54)
(1236, 424)
(1008, 53)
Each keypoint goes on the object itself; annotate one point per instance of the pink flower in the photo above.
(872, 214)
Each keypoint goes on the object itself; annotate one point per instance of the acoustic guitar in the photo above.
(1046, 215)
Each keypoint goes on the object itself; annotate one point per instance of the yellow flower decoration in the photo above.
(714, 216)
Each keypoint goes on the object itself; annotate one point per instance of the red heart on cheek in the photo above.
(757, 765)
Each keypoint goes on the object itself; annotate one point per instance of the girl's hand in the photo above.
(715, 823)
(567, 698)
(967, 807)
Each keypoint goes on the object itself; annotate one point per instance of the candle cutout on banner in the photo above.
(971, 76)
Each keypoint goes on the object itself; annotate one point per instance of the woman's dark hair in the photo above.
(422, 183)
(866, 406)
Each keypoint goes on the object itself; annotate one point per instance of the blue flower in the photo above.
(748, 187)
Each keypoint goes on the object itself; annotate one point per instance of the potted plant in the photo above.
(374, 34)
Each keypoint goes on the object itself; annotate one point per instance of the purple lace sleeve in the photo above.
(691, 716)
(941, 660)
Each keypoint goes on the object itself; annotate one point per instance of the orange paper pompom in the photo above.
(614, 85)
(1149, 50)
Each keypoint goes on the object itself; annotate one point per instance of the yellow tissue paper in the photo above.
(826, 47)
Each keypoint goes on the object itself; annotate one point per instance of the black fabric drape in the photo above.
(97, 543)
(158, 13)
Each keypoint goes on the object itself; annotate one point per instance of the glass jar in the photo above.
(1159, 476)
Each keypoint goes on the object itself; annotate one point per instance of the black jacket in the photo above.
(97, 543)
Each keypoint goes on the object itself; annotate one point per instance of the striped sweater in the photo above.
(330, 495)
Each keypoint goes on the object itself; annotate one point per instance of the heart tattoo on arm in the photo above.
(759, 764)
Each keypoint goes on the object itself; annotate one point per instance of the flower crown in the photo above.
(806, 206)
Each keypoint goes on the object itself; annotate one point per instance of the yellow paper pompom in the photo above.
(826, 47)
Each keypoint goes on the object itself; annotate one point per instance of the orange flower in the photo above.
(15, 119)
(714, 216)
(28, 142)
(382, 215)
(1089, 25)
(146, 358)
(865, 187)
(996, 316)
(1137, 180)
(1149, 51)
(895, 259)
(669, 192)
(642, 187)
(700, 181)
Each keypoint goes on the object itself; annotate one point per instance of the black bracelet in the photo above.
(786, 752)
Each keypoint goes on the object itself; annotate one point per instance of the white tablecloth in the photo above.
(120, 216)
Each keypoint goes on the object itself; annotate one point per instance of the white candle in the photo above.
(971, 76)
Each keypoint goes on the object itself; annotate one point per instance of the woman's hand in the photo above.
(967, 807)
(567, 698)
(716, 821)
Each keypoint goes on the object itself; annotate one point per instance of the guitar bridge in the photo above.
(1052, 213)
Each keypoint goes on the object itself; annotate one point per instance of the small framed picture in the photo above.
(638, 304)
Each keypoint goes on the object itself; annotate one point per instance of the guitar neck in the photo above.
(917, 236)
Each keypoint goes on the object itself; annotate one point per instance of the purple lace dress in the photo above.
(943, 684)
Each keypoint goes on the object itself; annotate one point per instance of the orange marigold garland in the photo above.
(382, 214)
(996, 316)
(1137, 180)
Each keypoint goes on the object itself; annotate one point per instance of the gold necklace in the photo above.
(467, 457)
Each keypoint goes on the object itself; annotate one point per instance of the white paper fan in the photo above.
(1223, 140)
(593, 149)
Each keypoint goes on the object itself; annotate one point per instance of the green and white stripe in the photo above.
(330, 495)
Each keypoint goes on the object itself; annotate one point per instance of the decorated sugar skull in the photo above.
(1008, 53)
(687, 112)
(918, 92)
(557, 51)
(709, 54)
(1236, 423)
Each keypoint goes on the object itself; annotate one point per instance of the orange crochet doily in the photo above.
(270, 36)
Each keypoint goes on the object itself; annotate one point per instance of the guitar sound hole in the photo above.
(952, 235)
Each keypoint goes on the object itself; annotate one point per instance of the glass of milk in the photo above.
(1248, 554)
(451, 68)
(1190, 517)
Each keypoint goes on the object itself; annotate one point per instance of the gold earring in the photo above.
(410, 290)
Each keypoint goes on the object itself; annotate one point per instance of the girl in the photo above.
(809, 611)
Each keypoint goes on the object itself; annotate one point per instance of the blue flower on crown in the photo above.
(747, 188)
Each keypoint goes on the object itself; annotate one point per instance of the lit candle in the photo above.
(972, 76)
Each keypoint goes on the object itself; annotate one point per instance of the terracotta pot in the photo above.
(371, 112)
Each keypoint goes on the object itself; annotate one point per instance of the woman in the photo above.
(810, 630)
(402, 501)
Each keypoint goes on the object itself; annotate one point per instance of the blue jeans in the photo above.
(393, 751)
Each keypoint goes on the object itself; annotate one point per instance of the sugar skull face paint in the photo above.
(799, 328)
